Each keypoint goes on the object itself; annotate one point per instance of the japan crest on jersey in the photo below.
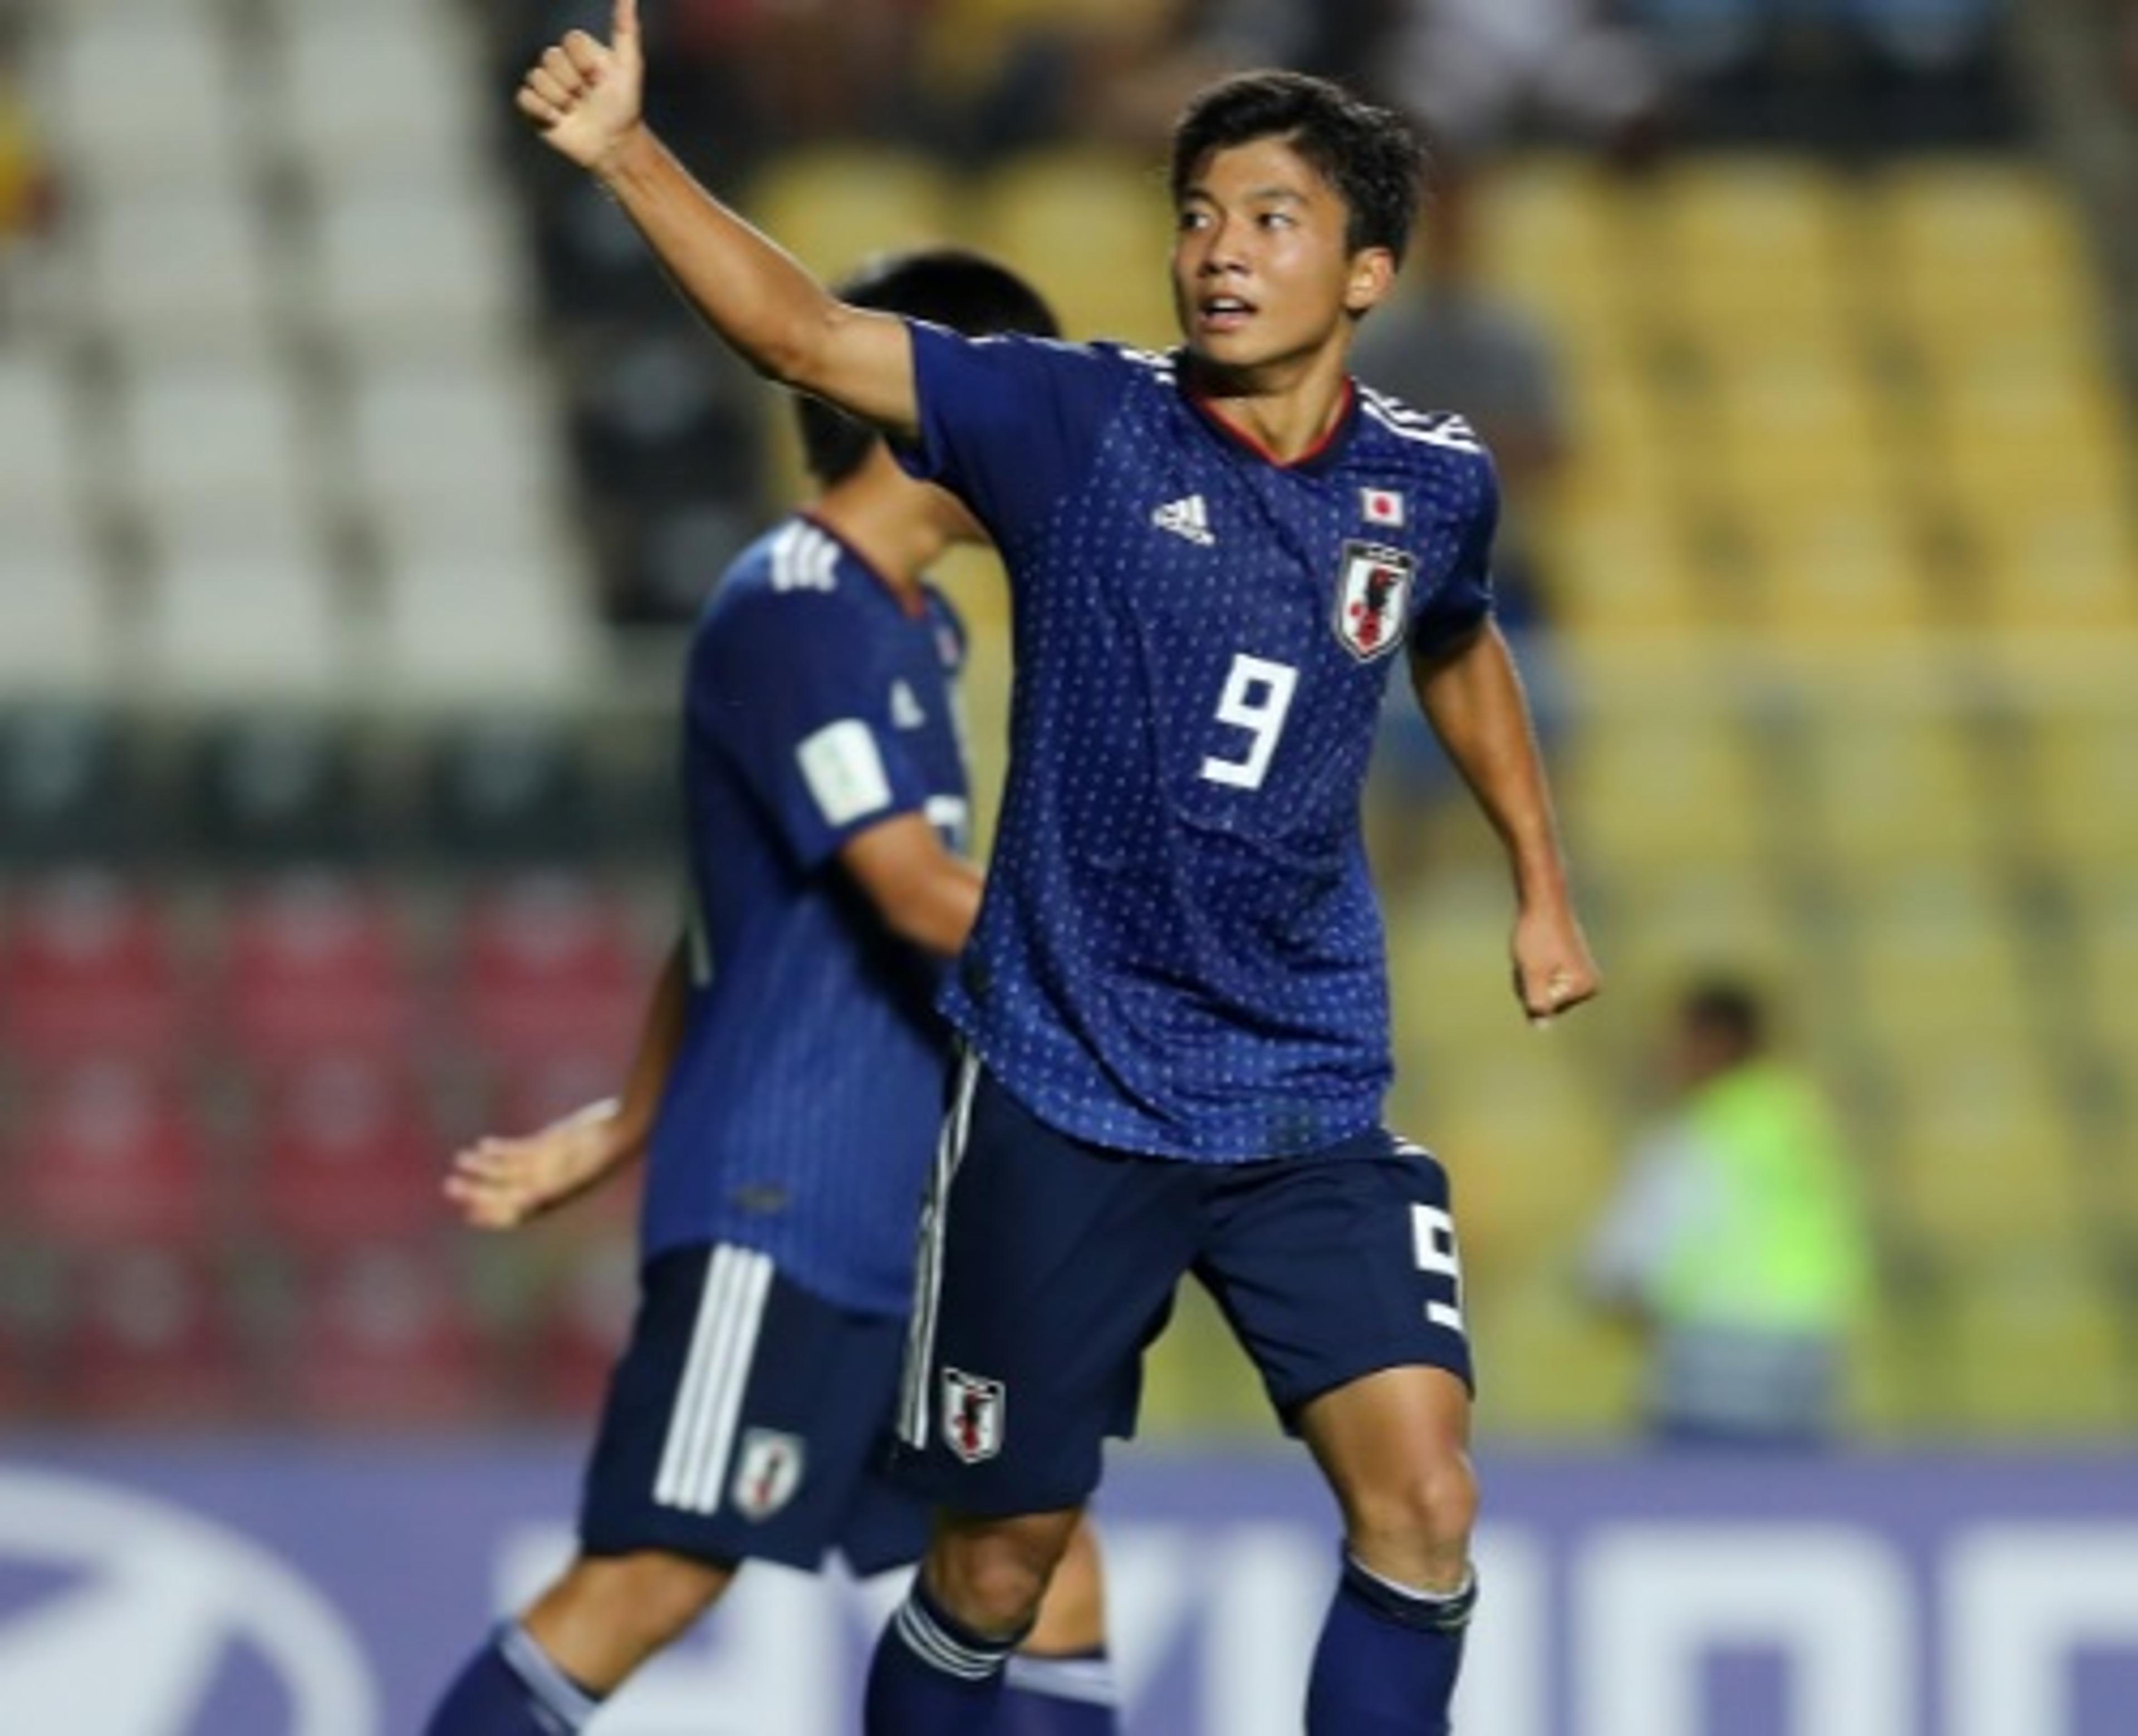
(972, 1416)
(768, 1471)
(1372, 599)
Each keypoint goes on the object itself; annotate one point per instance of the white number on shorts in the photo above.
(1433, 1231)
(1258, 694)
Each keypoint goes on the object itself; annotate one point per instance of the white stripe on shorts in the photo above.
(913, 1415)
(701, 1428)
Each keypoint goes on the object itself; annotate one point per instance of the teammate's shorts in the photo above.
(1047, 1264)
(750, 1420)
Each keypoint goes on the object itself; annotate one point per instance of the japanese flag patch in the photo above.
(1383, 506)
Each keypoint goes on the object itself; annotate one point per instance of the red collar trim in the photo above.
(1338, 425)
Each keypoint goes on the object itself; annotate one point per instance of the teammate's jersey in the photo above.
(1179, 952)
(802, 1110)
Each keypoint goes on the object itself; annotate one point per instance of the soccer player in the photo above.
(786, 1092)
(1175, 1003)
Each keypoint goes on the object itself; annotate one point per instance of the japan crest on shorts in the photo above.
(972, 1416)
(768, 1471)
(1372, 599)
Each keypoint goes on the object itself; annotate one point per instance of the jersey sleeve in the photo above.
(1008, 424)
(787, 686)
(1450, 611)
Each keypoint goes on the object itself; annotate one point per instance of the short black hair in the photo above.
(1370, 155)
(950, 286)
(1729, 1010)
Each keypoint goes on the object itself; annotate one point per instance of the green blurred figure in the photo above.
(1738, 1240)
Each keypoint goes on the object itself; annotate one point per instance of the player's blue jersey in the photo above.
(802, 1110)
(1180, 951)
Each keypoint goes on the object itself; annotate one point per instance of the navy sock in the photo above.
(1071, 1696)
(510, 1688)
(1388, 1658)
(932, 1675)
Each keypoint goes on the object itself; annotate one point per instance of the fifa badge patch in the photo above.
(972, 1416)
(767, 1472)
(1382, 506)
(1372, 599)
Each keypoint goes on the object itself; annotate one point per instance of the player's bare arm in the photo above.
(584, 97)
(1473, 696)
(499, 1183)
(924, 893)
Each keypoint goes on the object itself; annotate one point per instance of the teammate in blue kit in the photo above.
(1175, 1003)
(786, 1095)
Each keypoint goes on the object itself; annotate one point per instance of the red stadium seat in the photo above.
(312, 964)
(547, 968)
(148, 1336)
(385, 1338)
(349, 1152)
(88, 967)
(109, 1153)
(583, 1329)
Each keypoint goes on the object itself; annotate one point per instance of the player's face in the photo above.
(1262, 272)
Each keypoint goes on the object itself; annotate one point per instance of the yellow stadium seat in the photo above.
(834, 206)
(1983, 243)
(1096, 229)
(2058, 570)
(1887, 792)
(2086, 788)
(1839, 572)
(1983, 1165)
(1651, 791)
(1619, 571)
(1938, 961)
(2037, 1350)
(1756, 246)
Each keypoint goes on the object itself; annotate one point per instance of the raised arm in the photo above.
(1472, 697)
(584, 97)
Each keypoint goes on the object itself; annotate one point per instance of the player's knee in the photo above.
(993, 1578)
(652, 1595)
(1423, 1513)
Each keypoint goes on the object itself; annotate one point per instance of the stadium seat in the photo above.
(312, 965)
(149, 1336)
(241, 619)
(67, 791)
(143, 97)
(180, 272)
(2056, 570)
(1092, 227)
(833, 206)
(384, 1338)
(1844, 575)
(2085, 787)
(59, 637)
(1551, 231)
(348, 1151)
(430, 267)
(1650, 789)
(485, 625)
(1983, 1166)
(1621, 572)
(277, 787)
(1890, 791)
(1937, 961)
(452, 444)
(208, 447)
(546, 969)
(1758, 246)
(328, 66)
(509, 788)
(1797, 426)
(1980, 244)
(88, 967)
(2039, 1352)
(46, 472)
(109, 1153)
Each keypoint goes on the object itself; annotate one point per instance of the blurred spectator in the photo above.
(806, 69)
(1477, 72)
(1737, 1239)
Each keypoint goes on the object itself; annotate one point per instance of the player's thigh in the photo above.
(745, 1420)
(1047, 1266)
(1334, 1267)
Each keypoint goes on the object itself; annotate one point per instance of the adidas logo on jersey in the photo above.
(906, 710)
(1189, 519)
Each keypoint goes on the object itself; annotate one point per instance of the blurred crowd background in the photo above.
(358, 475)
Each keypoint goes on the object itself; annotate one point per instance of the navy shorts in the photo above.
(1047, 1264)
(749, 1421)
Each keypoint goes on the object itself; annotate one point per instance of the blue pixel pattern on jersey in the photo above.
(1180, 952)
(802, 1108)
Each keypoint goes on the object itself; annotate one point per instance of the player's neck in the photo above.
(1287, 410)
(896, 542)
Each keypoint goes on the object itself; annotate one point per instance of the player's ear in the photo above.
(1373, 275)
